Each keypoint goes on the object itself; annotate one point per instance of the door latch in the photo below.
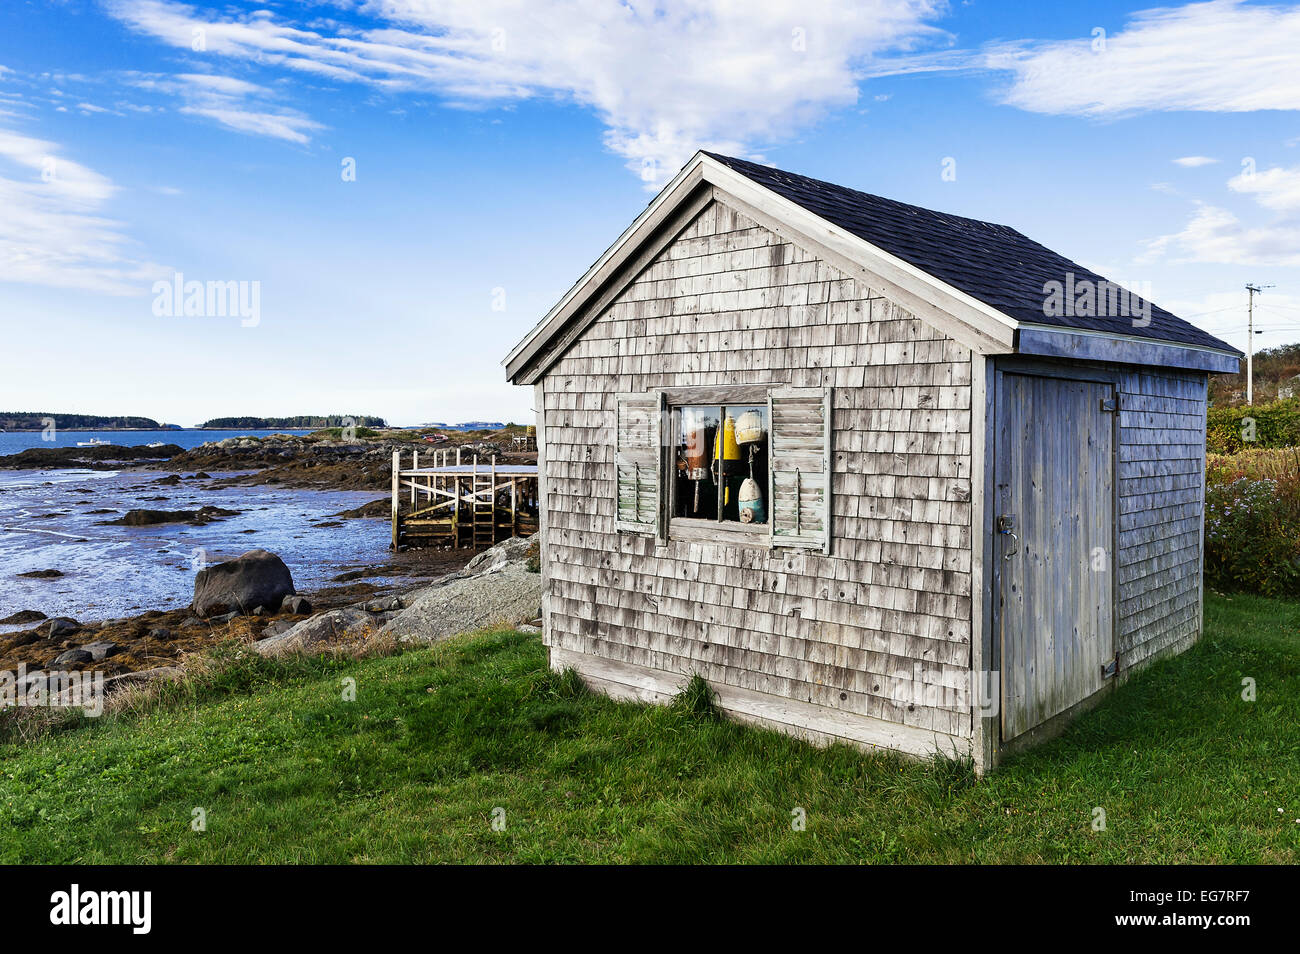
(1110, 668)
(1007, 524)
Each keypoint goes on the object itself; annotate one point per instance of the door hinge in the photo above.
(1111, 668)
(1110, 404)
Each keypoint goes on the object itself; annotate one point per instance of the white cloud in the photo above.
(1277, 189)
(234, 103)
(275, 125)
(1222, 56)
(52, 231)
(1193, 162)
(1217, 235)
(665, 77)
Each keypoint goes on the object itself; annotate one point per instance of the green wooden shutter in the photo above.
(637, 463)
(799, 468)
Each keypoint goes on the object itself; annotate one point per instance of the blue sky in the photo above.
(501, 145)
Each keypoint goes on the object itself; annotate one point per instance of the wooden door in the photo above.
(1054, 519)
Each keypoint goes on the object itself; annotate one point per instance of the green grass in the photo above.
(287, 771)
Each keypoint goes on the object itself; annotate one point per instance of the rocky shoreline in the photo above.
(351, 607)
(497, 586)
(110, 457)
(300, 461)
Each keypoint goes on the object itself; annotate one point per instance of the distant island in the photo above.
(314, 422)
(471, 426)
(39, 420)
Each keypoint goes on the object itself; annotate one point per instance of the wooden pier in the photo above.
(461, 503)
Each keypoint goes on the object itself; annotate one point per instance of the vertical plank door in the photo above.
(1055, 491)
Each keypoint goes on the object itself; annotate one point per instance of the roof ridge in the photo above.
(870, 195)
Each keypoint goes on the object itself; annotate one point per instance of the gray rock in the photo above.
(161, 634)
(101, 649)
(383, 604)
(58, 626)
(73, 657)
(321, 631)
(257, 578)
(514, 550)
(297, 605)
(504, 594)
(225, 617)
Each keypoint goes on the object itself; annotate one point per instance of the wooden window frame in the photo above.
(698, 529)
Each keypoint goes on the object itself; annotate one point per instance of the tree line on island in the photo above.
(300, 422)
(40, 420)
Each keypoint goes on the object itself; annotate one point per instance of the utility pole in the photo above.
(1251, 291)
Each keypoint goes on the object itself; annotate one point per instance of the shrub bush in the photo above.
(1252, 523)
(1276, 425)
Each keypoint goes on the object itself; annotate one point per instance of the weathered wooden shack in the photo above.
(877, 473)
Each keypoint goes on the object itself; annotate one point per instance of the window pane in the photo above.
(695, 490)
(744, 465)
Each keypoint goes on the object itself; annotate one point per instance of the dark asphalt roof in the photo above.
(992, 263)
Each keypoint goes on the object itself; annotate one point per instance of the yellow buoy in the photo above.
(725, 447)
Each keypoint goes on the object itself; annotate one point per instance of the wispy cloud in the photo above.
(1193, 162)
(1217, 235)
(234, 103)
(1222, 56)
(52, 231)
(665, 78)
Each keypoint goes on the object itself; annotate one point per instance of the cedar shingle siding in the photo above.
(1161, 471)
(729, 303)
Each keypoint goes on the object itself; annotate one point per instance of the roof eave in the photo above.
(1083, 345)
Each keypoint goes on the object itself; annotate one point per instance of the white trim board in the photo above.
(812, 723)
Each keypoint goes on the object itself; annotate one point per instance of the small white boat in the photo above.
(156, 444)
(94, 442)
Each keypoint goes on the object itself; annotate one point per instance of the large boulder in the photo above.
(326, 630)
(502, 594)
(257, 578)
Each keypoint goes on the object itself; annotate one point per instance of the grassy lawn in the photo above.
(287, 771)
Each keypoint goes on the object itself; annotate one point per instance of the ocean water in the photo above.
(14, 442)
(113, 571)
